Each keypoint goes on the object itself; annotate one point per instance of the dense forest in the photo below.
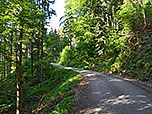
(111, 36)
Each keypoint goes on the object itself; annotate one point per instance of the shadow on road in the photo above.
(106, 94)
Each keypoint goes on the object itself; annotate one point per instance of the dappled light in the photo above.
(115, 80)
(96, 92)
(117, 102)
(96, 45)
(111, 95)
(145, 107)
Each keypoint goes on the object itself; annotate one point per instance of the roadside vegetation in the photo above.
(53, 96)
(29, 84)
(109, 36)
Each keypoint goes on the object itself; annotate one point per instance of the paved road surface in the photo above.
(106, 94)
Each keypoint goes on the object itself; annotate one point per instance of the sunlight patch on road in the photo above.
(115, 80)
(122, 99)
(127, 100)
(97, 110)
(145, 107)
(90, 75)
(67, 67)
(96, 93)
(92, 78)
(141, 96)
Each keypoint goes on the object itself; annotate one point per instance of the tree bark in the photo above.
(10, 66)
(38, 57)
(4, 66)
(41, 72)
(32, 70)
(19, 74)
(0, 60)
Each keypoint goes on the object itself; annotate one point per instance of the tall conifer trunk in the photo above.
(32, 70)
(41, 72)
(19, 73)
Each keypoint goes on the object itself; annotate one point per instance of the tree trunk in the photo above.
(41, 72)
(4, 75)
(1, 60)
(10, 66)
(38, 57)
(27, 49)
(19, 74)
(0, 66)
(16, 50)
(144, 13)
(32, 58)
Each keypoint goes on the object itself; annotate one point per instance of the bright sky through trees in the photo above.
(59, 8)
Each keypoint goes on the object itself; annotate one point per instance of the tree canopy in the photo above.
(110, 35)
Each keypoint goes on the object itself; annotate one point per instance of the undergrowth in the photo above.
(54, 95)
(120, 57)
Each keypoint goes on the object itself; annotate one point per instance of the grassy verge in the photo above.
(53, 96)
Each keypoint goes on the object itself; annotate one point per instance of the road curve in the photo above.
(106, 94)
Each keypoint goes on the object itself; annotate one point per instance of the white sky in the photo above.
(59, 8)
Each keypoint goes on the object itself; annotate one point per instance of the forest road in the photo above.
(107, 94)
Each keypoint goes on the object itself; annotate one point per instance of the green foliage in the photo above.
(7, 95)
(26, 51)
(64, 106)
(110, 36)
(129, 14)
(64, 56)
(55, 91)
(54, 44)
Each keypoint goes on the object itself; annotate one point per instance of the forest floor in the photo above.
(107, 94)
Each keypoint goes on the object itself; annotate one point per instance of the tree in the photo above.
(108, 33)
(19, 21)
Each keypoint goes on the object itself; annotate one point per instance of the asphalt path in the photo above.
(107, 94)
